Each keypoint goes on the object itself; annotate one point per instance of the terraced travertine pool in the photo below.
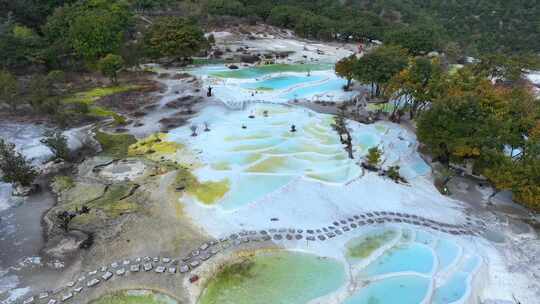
(278, 83)
(384, 265)
(274, 277)
(257, 152)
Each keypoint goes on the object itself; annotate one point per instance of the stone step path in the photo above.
(182, 266)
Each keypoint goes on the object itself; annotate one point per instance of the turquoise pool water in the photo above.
(453, 290)
(259, 71)
(306, 92)
(447, 252)
(276, 277)
(405, 289)
(471, 264)
(406, 257)
(249, 188)
(280, 82)
(257, 153)
(424, 237)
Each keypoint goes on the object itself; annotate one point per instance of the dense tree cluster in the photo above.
(483, 114)
(81, 36)
(420, 26)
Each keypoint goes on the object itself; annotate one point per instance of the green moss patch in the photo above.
(363, 247)
(269, 165)
(62, 183)
(115, 145)
(206, 192)
(91, 96)
(274, 277)
(135, 297)
(154, 147)
(113, 203)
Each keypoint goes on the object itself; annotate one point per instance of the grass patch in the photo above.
(62, 183)
(154, 146)
(367, 245)
(92, 95)
(112, 203)
(115, 145)
(206, 192)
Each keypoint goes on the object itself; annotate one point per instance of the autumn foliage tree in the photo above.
(494, 127)
(344, 68)
(380, 66)
(174, 38)
(417, 85)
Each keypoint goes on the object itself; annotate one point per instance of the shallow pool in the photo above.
(412, 257)
(274, 277)
(280, 82)
(406, 289)
(453, 290)
(447, 252)
(257, 151)
(249, 188)
(328, 87)
(135, 297)
(259, 71)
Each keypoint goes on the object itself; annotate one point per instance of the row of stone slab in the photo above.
(208, 249)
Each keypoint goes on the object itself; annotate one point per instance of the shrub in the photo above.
(14, 166)
(374, 156)
(58, 144)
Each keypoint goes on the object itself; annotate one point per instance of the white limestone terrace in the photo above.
(441, 257)
(298, 199)
(304, 207)
(276, 87)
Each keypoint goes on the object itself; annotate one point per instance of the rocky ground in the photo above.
(123, 203)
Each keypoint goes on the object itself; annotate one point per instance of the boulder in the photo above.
(249, 58)
(23, 191)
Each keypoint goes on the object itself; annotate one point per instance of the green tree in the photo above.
(379, 66)
(19, 45)
(374, 156)
(417, 85)
(91, 28)
(226, 7)
(58, 144)
(43, 92)
(417, 40)
(175, 38)
(110, 65)
(344, 68)
(510, 68)
(14, 166)
(9, 89)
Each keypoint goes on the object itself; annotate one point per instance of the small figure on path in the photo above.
(293, 128)
(209, 93)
